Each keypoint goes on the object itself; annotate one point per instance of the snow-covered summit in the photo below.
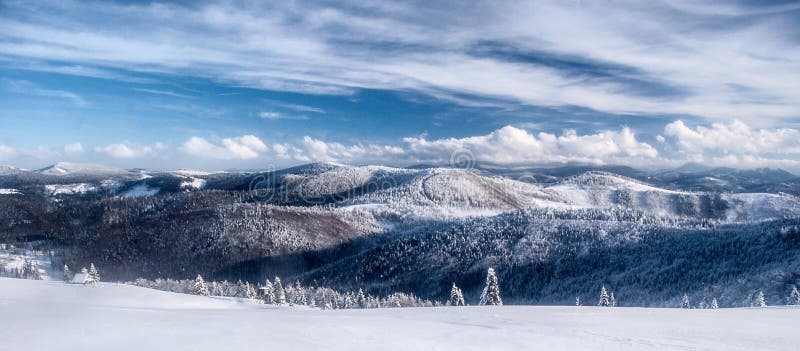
(68, 168)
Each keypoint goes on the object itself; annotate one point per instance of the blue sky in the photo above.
(229, 84)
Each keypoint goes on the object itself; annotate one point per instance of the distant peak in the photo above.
(67, 168)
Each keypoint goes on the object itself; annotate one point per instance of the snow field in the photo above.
(42, 315)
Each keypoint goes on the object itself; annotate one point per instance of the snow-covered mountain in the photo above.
(385, 225)
(67, 168)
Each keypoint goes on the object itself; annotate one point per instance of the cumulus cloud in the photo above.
(736, 144)
(243, 147)
(128, 150)
(734, 138)
(732, 145)
(511, 145)
(319, 150)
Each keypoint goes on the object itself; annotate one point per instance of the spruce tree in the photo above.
(685, 303)
(761, 301)
(269, 297)
(251, 292)
(714, 304)
(577, 301)
(94, 276)
(613, 300)
(361, 299)
(348, 301)
(605, 301)
(200, 287)
(491, 292)
(456, 297)
(67, 274)
(278, 294)
(794, 297)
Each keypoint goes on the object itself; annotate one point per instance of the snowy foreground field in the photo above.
(44, 315)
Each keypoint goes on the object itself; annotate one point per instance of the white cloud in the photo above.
(243, 147)
(26, 87)
(73, 148)
(128, 150)
(617, 58)
(735, 138)
(278, 115)
(318, 150)
(510, 145)
(7, 153)
(732, 145)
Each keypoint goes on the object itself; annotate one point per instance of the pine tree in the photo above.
(491, 292)
(714, 304)
(348, 301)
(578, 301)
(604, 299)
(761, 301)
(67, 274)
(269, 296)
(94, 276)
(251, 292)
(794, 297)
(361, 299)
(613, 300)
(278, 294)
(456, 297)
(685, 303)
(200, 287)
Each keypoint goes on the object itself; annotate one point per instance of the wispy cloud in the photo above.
(163, 92)
(26, 87)
(278, 115)
(653, 58)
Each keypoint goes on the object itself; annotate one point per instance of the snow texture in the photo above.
(108, 316)
(9, 192)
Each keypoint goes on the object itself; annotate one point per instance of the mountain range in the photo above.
(551, 233)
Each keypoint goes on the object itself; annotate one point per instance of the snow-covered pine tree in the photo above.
(67, 274)
(361, 299)
(200, 287)
(278, 294)
(349, 301)
(613, 300)
(251, 291)
(577, 301)
(241, 289)
(94, 275)
(685, 303)
(605, 301)
(491, 292)
(714, 304)
(456, 296)
(761, 301)
(794, 297)
(268, 297)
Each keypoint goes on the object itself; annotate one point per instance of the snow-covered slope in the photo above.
(38, 315)
(443, 192)
(7, 170)
(67, 168)
(9, 191)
